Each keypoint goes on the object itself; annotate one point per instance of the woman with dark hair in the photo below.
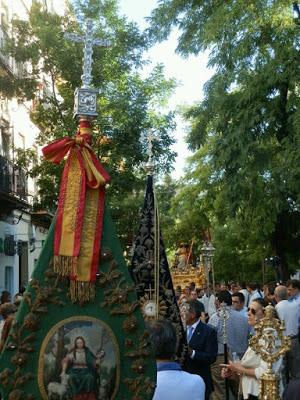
(5, 297)
(251, 367)
(80, 364)
(8, 311)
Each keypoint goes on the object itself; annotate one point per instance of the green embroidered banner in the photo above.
(62, 350)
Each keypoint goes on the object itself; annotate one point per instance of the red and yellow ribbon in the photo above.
(79, 219)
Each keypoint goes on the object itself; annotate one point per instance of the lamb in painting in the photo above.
(103, 389)
(56, 389)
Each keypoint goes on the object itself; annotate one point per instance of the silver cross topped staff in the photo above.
(149, 167)
(85, 97)
(224, 315)
(88, 41)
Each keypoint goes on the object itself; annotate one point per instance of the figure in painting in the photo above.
(81, 366)
(79, 362)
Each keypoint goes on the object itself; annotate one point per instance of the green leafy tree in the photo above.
(246, 131)
(181, 217)
(128, 103)
(165, 190)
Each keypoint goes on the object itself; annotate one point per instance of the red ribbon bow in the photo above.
(83, 181)
(80, 144)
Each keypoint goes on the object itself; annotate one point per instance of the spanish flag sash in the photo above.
(79, 219)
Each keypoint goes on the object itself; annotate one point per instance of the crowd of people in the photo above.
(237, 372)
(212, 370)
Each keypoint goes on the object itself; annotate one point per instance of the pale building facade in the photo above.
(22, 231)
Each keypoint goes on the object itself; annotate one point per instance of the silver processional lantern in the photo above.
(207, 251)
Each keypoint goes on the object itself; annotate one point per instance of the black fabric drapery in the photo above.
(142, 267)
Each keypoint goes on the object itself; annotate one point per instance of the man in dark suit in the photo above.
(203, 345)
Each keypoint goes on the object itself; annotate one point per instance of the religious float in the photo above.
(185, 269)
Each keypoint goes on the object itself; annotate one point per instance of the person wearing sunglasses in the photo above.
(251, 367)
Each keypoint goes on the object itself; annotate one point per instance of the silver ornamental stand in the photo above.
(224, 315)
(207, 251)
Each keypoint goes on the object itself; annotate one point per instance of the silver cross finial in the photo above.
(88, 41)
(149, 167)
(224, 315)
(150, 138)
(85, 103)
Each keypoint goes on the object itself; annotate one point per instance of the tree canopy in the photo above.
(129, 103)
(243, 179)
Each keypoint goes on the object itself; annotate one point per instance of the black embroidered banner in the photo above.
(154, 286)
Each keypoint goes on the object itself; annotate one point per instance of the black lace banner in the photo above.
(143, 272)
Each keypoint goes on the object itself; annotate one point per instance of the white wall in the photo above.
(21, 126)
(24, 133)
(40, 237)
(7, 261)
(21, 231)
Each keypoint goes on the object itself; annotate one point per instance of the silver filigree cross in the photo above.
(88, 41)
(224, 315)
(149, 167)
(150, 138)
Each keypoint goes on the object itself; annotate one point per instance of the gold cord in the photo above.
(156, 253)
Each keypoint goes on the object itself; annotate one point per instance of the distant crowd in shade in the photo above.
(200, 312)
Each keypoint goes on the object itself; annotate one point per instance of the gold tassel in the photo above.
(64, 265)
(82, 292)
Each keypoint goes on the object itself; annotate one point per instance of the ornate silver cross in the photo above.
(149, 167)
(88, 41)
(150, 138)
(86, 97)
(224, 315)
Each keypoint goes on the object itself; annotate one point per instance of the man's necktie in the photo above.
(190, 332)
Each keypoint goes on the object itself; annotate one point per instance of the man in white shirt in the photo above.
(293, 288)
(172, 382)
(289, 313)
(255, 293)
(238, 303)
(245, 292)
(211, 305)
(204, 300)
(237, 339)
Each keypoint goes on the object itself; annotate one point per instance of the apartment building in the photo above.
(22, 231)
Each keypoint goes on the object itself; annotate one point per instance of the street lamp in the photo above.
(207, 251)
(275, 263)
(296, 11)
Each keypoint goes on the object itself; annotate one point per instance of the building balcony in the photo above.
(13, 186)
(42, 218)
(6, 62)
(8, 65)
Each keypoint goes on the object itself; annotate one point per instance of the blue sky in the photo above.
(191, 73)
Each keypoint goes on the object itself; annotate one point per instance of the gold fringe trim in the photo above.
(64, 265)
(82, 292)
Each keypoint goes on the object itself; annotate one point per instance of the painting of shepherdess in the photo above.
(80, 361)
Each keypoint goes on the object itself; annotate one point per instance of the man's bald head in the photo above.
(281, 293)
